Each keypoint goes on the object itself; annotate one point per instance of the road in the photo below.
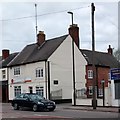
(60, 112)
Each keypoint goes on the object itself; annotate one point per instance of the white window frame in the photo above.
(40, 91)
(90, 74)
(90, 90)
(100, 92)
(39, 72)
(17, 90)
(3, 74)
(17, 71)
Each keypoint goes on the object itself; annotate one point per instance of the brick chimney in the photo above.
(74, 33)
(5, 53)
(110, 50)
(40, 37)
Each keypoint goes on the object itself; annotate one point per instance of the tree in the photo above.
(117, 54)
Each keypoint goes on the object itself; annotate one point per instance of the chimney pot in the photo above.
(40, 37)
(5, 53)
(110, 50)
(74, 33)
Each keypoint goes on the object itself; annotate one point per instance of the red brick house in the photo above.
(103, 63)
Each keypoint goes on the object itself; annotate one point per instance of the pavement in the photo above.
(86, 108)
(99, 109)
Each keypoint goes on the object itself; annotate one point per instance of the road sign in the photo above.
(115, 74)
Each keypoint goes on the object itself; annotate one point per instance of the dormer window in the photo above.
(17, 71)
(39, 72)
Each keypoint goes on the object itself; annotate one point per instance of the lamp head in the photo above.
(70, 12)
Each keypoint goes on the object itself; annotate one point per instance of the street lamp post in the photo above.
(103, 90)
(74, 92)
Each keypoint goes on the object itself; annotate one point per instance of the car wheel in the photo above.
(16, 107)
(20, 108)
(35, 107)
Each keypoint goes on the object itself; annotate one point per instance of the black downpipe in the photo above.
(49, 81)
(46, 79)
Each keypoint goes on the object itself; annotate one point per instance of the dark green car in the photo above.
(34, 101)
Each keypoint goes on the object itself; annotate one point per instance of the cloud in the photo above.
(54, 21)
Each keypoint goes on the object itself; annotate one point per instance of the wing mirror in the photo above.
(27, 99)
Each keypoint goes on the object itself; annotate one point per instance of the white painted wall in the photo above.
(27, 73)
(61, 68)
(115, 102)
(88, 101)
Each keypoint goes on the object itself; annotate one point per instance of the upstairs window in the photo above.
(3, 74)
(17, 71)
(39, 72)
(90, 74)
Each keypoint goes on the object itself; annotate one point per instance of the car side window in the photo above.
(25, 96)
(20, 96)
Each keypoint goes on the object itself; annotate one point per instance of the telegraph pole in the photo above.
(94, 102)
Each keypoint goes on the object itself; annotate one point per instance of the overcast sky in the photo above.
(18, 23)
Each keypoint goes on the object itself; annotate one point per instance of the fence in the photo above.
(56, 94)
(81, 93)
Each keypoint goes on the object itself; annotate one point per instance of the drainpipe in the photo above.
(49, 80)
(46, 79)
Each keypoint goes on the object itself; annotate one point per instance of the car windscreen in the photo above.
(36, 97)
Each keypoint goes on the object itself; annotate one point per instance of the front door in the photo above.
(30, 89)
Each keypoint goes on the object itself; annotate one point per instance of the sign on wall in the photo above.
(115, 74)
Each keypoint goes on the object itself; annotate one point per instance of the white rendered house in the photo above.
(46, 68)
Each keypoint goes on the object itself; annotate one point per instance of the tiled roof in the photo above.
(101, 59)
(34, 53)
(5, 62)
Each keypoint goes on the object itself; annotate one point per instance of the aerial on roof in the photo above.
(100, 59)
(34, 53)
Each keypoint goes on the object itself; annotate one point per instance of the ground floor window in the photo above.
(90, 90)
(100, 92)
(40, 91)
(17, 90)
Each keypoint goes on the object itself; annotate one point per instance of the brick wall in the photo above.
(101, 73)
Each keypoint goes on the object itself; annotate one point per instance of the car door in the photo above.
(27, 101)
(19, 100)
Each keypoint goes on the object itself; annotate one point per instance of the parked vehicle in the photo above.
(34, 101)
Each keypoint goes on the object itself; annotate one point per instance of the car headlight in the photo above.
(40, 103)
(54, 103)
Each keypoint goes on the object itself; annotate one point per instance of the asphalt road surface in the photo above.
(60, 112)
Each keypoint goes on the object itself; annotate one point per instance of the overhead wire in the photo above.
(104, 15)
(50, 13)
(39, 15)
(25, 17)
